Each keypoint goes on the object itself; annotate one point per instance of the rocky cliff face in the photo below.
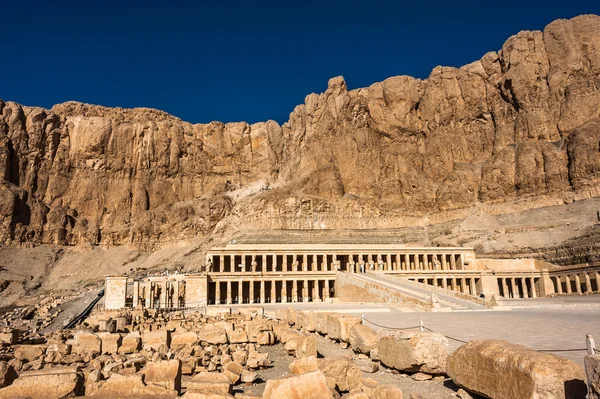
(520, 126)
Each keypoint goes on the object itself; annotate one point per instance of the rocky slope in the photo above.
(515, 131)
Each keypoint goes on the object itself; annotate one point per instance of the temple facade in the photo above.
(278, 273)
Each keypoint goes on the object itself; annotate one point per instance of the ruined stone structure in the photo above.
(280, 273)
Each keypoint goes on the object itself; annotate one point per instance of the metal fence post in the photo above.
(362, 318)
(421, 325)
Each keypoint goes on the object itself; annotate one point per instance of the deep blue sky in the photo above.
(242, 60)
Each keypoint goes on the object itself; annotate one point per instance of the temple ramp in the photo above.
(357, 286)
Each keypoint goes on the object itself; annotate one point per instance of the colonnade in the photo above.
(576, 282)
(239, 291)
(518, 287)
(465, 285)
(331, 262)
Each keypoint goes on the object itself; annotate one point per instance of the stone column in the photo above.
(388, 261)
(265, 268)
(221, 263)
(217, 292)
(524, 285)
(444, 283)
(284, 291)
(326, 289)
(274, 262)
(228, 292)
(577, 284)
(588, 283)
(305, 291)
(315, 263)
(316, 291)
(559, 284)
(452, 262)
(164, 294)
(175, 298)
(240, 292)
(444, 265)
(505, 288)
(136, 292)
(285, 265)
(568, 284)
(273, 291)
(597, 278)
(533, 290)
(251, 292)
(262, 291)
(515, 288)
(149, 294)
(453, 283)
(295, 263)
(463, 286)
(472, 289)
(305, 262)
(294, 291)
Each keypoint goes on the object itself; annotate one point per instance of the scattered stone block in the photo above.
(55, 383)
(347, 375)
(189, 338)
(166, 374)
(502, 370)
(120, 386)
(29, 352)
(131, 343)
(213, 335)
(423, 352)
(86, 343)
(304, 365)
(155, 339)
(363, 339)
(386, 392)
(207, 383)
(311, 385)
(110, 342)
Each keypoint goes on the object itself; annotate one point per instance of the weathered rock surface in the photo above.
(521, 123)
(592, 368)
(501, 370)
(45, 384)
(423, 352)
(311, 385)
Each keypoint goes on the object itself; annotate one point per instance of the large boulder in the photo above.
(166, 374)
(501, 370)
(29, 352)
(86, 343)
(188, 338)
(592, 368)
(214, 335)
(131, 343)
(338, 326)
(56, 383)
(208, 383)
(363, 339)
(304, 365)
(311, 385)
(346, 374)
(321, 323)
(110, 342)
(120, 386)
(422, 352)
(155, 339)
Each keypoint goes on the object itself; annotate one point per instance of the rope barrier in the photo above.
(466, 342)
(391, 328)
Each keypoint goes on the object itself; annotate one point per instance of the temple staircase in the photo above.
(421, 293)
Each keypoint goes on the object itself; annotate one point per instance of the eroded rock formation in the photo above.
(520, 123)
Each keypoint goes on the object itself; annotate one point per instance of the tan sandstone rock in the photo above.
(503, 370)
(363, 339)
(166, 374)
(425, 352)
(311, 385)
(55, 383)
(346, 374)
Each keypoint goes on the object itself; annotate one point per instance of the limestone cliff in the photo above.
(518, 129)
